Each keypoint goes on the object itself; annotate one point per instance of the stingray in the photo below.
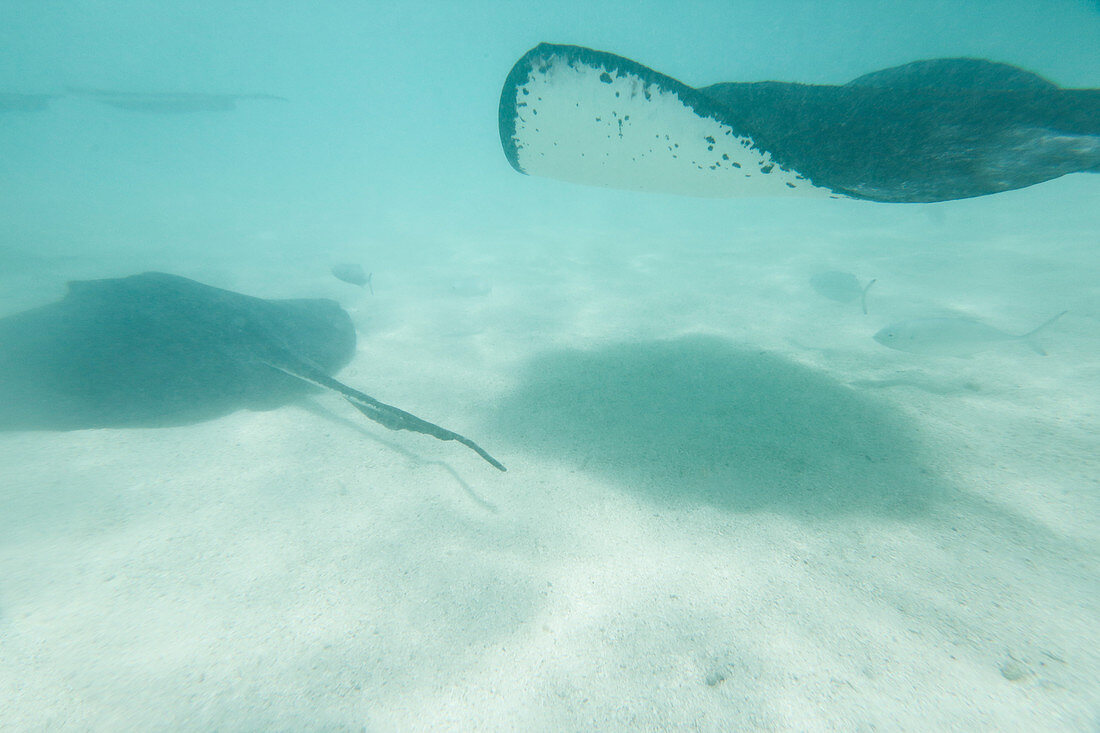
(13, 102)
(154, 350)
(168, 102)
(926, 131)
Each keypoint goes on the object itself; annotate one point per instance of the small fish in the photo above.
(843, 287)
(953, 336)
(354, 274)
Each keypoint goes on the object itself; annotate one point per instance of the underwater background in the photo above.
(727, 506)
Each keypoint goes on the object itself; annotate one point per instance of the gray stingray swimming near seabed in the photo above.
(843, 287)
(13, 102)
(954, 336)
(926, 131)
(168, 102)
(155, 350)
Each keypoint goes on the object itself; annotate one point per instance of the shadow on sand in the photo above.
(697, 419)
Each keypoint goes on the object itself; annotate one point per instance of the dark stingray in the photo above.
(926, 131)
(155, 350)
(13, 102)
(168, 102)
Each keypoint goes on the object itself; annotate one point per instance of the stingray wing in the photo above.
(591, 117)
(929, 131)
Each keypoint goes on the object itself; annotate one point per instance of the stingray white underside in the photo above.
(586, 124)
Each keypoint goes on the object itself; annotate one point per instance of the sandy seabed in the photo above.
(726, 506)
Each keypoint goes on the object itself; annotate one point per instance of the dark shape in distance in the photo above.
(168, 102)
(927, 131)
(155, 349)
(13, 102)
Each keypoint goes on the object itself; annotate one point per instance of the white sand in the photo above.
(914, 552)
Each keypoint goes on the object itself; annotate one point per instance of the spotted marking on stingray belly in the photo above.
(589, 124)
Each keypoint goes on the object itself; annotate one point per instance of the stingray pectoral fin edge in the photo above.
(585, 116)
(386, 415)
(934, 130)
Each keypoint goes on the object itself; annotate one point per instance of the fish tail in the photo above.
(1029, 337)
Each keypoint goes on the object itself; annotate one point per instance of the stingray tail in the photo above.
(863, 295)
(381, 413)
(397, 419)
(1029, 337)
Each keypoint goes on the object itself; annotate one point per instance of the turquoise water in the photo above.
(393, 107)
(727, 507)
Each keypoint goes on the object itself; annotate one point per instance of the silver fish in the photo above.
(953, 336)
(353, 274)
(843, 287)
